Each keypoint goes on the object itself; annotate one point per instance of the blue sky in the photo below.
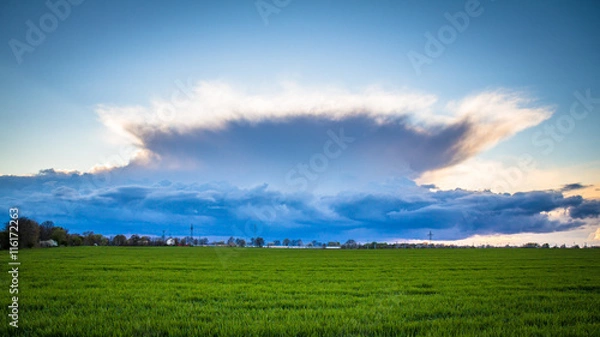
(257, 96)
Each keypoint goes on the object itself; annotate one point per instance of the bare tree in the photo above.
(119, 240)
(46, 230)
(350, 244)
(29, 232)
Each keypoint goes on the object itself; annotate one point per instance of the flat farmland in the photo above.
(205, 291)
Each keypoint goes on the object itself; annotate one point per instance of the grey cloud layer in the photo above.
(74, 201)
(285, 142)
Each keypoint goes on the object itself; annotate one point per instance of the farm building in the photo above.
(48, 243)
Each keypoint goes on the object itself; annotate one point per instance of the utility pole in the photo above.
(163, 237)
(430, 236)
(191, 234)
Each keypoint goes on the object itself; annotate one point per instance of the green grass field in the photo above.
(183, 291)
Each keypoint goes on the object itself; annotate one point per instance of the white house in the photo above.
(48, 243)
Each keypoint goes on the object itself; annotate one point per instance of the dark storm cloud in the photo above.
(281, 143)
(222, 209)
(573, 187)
(587, 209)
(466, 212)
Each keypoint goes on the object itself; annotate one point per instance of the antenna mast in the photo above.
(191, 234)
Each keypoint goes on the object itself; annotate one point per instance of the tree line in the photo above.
(32, 234)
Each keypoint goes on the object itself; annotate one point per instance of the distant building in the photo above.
(48, 243)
